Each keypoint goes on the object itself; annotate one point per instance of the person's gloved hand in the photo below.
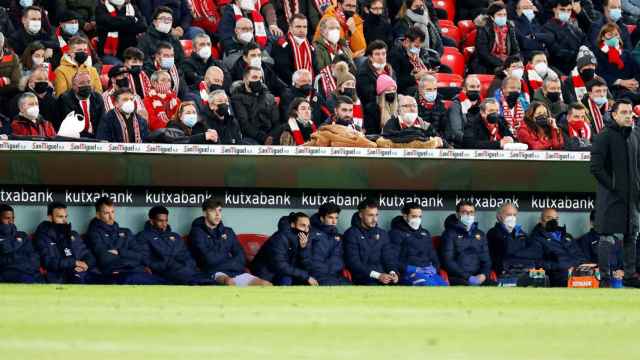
(430, 270)
(474, 281)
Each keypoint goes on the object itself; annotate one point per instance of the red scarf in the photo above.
(578, 84)
(145, 83)
(613, 55)
(295, 131)
(417, 63)
(494, 134)
(357, 113)
(328, 81)
(204, 95)
(259, 30)
(111, 42)
(514, 116)
(164, 104)
(534, 78)
(465, 103)
(597, 114)
(579, 129)
(301, 54)
(64, 47)
(500, 44)
(175, 77)
(125, 131)
(291, 7)
(425, 104)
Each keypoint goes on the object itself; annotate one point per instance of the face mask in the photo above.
(163, 27)
(344, 122)
(517, 73)
(256, 62)
(33, 112)
(415, 223)
(37, 61)
(189, 119)
(247, 4)
(70, 29)
(378, 66)
(333, 36)
(204, 52)
(34, 26)
(348, 92)
(542, 121)
(122, 83)
(214, 87)
(373, 18)
(348, 14)
(410, 118)
(80, 57)
(117, 2)
(414, 51)
(430, 96)
(529, 14)
(551, 225)
(298, 232)
(473, 95)
(541, 68)
(587, 74)
(512, 98)
(390, 97)
(500, 20)
(135, 69)
(467, 220)
(84, 92)
(62, 228)
(128, 107)
(615, 14)
(41, 87)
(493, 118)
(613, 42)
(245, 37)
(600, 100)
(510, 222)
(298, 39)
(166, 63)
(305, 90)
(564, 16)
(26, 3)
(418, 11)
(255, 86)
(554, 97)
(222, 110)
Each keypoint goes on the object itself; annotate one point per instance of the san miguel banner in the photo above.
(282, 198)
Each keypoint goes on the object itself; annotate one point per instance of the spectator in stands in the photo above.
(162, 102)
(409, 60)
(377, 25)
(302, 88)
(196, 65)
(344, 114)
(537, 71)
(296, 52)
(32, 30)
(217, 250)
(206, 14)
(465, 253)
(10, 72)
(122, 124)
(74, 61)
(138, 78)
(251, 56)
(368, 252)
(182, 18)
(64, 255)
(612, 14)
(496, 40)
(69, 26)
(529, 31)
(632, 9)
(5, 127)
(19, 262)
(185, 119)
(327, 262)
(165, 59)
(513, 66)
(560, 250)
(255, 108)
(487, 129)
(574, 89)
(431, 107)
(214, 79)
(160, 32)
(261, 15)
(83, 101)
(464, 107)
(217, 124)
(120, 78)
(346, 13)
(38, 83)
(329, 43)
(119, 255)
(117, 25)
(566, 37)
(597, 105)
(85, 13)
(345, 86)
(33, 58)
(386, 105)
(285, 259)
(366, 81)
(589, 243)
(242, 35)
(576, 128)
(513, 102)
(616, 65)
(29, 122)
(512, 252)
(550, 94)
(326, 82)
(540, 130)
(166, 253)
(299, 126)
(417, 259)
(6, 23)
(408, 126)
(470, 9)
(416, 13)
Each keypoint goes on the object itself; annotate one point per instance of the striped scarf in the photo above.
(535, 80)
(301, 53)
(613, 55)
(145, 83)
(259, 30)
(514, 116)
(296, 133)
(579, 129)
(328, 81)
(578, 84)
(358, 114)
(64, 47)
(204, 94)
(597, 114)
(124, 129)
(500, 44)
(111, 42)
(175, 77)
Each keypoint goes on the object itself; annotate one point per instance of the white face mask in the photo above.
(517, 73)
(541, 68)
(128, 107)
(190, 119)
(163, 27)
(333, 36)
(34, 26)
(409, 118)
(378, 66)
(166, 63)
(205, 52)
(298, 39)
(33, 112)
(37, 61)
(467, 220)
(415, 223)
(247, 4)
(510, 222)
(70, 29)
(26, 3)
(245, 37)
(255, 62)
(117, 2)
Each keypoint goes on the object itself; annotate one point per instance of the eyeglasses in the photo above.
(165, 19)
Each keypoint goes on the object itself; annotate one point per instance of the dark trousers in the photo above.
(629, 251)
(458, 281)
(18, 277)
(136, 278)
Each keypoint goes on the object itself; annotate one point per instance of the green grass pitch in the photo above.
(120, 322)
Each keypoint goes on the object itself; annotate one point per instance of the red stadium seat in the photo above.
(104, 76)
(450, 50)
(470, 38)
(447, 5)
(452, 33)
(446, 22)
(455, 62)
(449, 80)
(631, 28)
(436, 240)
(251, 243)
(485, 82)
(187, 46)
(466, 27)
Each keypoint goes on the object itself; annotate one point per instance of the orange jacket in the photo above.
(357, 42)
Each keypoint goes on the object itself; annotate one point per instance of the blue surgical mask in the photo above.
(430, 96)
(500, 20)
(529, 14)
(467, 220)
(600, 100)
(613, 42)
(190, 119)
(26, 3)
(414, 50)
(615, 14)
(70, 29)
(564, 16)
(166, 63)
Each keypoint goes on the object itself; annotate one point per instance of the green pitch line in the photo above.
(99, 322)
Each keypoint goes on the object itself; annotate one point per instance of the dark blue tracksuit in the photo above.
(512, 250)
(327, 260)
(169, 258)
(216, 249)
(60, 248)
(560, 252)
(413, 247)
(368, 250)
(281, 260)
(128, 267)
(464, 253)
(19, 262)
(589, 243)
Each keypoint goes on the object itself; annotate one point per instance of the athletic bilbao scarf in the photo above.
(145, 84)
(111, 42)
(175, 77)
(298, 136)
(578, 84)
(203, 9)
(328, 81)
(301, 54)
(535, 80)
(514, 116)
(417, 63)
(465, 103)
(123, 127)
(204, 95)
(64, 47)
(357, 113)
(579, 129)
(291, 7)
(500, 44)
(260, 32)
(597, 114)
(613, 55)
(494, 134)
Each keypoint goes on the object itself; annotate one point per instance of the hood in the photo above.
(399, 223)
(355, 220)
(283, 224)
(99, 224)
(149, 227)
(201, 224)
(8, 230)
(317, 224)
(452, 221)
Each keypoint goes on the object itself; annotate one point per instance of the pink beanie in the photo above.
(384, 83)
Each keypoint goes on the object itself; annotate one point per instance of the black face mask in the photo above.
(349, 92)
(553, 97)
(587, 74)
(512, 98)
(41, 87)
(348, 14)
(473, 95)
(344, 122)
(84, 92)
(255, 86)
(122, 83)
(542, 121)
(418, 11)
(305, 90)
(80, 57)
(222, 110)
(135, 69)
(373, 18)
(214, 87)
(298, 232)
(62, 228)
(551, 226)
(493, 118)
(390, 97)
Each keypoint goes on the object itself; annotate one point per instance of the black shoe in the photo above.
(605, 283)
(633, 281)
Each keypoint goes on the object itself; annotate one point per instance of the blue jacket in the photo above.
(589, 243)
(530, 36)
(464, 253)
(413, 247)
(60, 248)
(512, 250)
(281, 256)
(109, 128)
(367, 250)
(102, 237)
(166, 254)
(326, 251)
(17, 254)
(558, 255)
(216, 250)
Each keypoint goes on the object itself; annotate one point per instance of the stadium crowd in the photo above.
(541, 75)
(306, 250)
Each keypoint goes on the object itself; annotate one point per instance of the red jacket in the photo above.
(537, 142)
(160, 110)
(22, 126)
